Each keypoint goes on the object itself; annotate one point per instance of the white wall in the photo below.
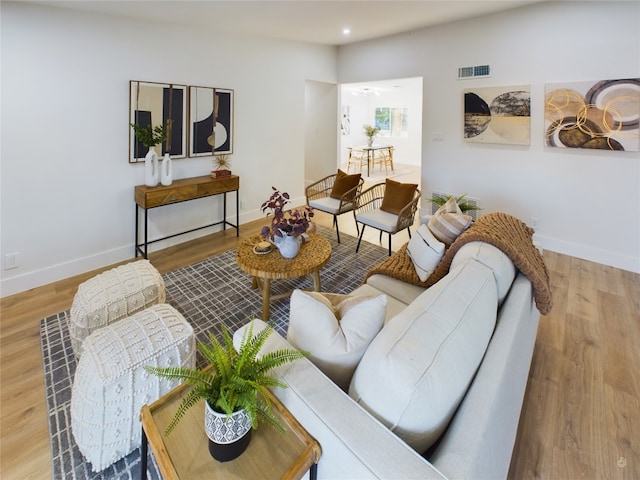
(587, 202)
(66, 186)
(320, 143)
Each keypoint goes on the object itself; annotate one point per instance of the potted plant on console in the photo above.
(286, 225)
(151, 136)
(234, 387)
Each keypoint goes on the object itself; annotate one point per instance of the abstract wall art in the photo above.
(603, 115)
(155, 104)
(211, 121)
(498, 115)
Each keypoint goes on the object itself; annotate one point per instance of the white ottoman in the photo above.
(111, 384)
(111, 296)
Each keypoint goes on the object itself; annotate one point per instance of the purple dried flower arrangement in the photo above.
(292, 222)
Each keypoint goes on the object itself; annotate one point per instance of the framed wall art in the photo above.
(210, 121)
(498, 115)
(155, 104)
(602, 115)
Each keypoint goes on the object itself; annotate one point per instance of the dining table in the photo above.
(371, 150)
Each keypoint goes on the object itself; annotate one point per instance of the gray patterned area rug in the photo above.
(209, 293)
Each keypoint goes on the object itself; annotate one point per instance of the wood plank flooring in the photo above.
(580, 418)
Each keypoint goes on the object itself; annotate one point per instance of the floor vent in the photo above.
(474, 72)
(471, 201)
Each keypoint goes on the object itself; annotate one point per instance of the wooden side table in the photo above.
(313, 255)
(184, 454)
(184, 190)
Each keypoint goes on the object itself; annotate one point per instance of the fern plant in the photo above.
(150, 136)
(234, 379)
(464, 205)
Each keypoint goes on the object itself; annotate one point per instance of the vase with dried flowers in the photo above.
(370, 132)
(221, 165)
(286, 225)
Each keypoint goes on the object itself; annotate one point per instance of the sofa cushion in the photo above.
(335, 329)
(500, 264)
(402, 291)
(425, 251)
(449, 222)
(418, 368)
(343, 183)
(394, 306)
(397, 196)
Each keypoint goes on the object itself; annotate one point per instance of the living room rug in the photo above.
(209, 294)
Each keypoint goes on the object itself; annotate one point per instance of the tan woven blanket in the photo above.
(501, 230)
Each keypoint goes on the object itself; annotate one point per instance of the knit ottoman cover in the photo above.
(111, 384)
(111, 296)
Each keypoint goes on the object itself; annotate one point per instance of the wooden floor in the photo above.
(581, 415)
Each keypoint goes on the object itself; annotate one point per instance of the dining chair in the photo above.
(356, 157)
(389, 207)
(335, 195)
(385, 158)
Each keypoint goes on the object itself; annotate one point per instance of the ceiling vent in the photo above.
(474, 72)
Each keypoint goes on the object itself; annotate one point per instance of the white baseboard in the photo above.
(597, 255)
(54, 273)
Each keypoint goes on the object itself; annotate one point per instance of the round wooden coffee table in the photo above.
(313, 255)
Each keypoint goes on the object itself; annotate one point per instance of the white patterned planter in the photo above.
(229, 435)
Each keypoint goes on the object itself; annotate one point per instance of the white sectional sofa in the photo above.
(447, 373)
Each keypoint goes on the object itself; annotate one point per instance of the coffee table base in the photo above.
(264, 285)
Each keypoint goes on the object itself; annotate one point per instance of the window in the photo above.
(392, 122)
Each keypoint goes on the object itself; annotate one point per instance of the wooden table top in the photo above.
(184, 454)
(313, 255)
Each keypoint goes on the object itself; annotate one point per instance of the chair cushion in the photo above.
(326, 204)
(343, 183)
(449, 222)
(397, 195)
(417, 369)
(425, 252)
(384, 221)
(335, 329)
(500, 264)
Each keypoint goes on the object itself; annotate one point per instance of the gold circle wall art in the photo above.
(602, 115)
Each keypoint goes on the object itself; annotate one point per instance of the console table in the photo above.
(183, 190)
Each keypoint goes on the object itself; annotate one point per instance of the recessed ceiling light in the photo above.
(346, 31)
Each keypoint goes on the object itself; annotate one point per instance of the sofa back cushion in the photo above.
(504, 271)
(418, 368)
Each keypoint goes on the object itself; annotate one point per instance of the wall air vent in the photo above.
(474, 72)
(471, 201)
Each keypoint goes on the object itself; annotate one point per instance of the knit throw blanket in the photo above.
(503, 231)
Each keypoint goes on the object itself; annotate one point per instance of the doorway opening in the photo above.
(395, 108)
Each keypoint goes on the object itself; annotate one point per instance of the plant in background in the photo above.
(236, 380)
(293, 222)
(370, 131)
(464, 205)
(150, 136)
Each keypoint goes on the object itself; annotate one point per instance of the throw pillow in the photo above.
(343, 183)
(397, 195)
(449, 222)
(425, 252)
(335, 329)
